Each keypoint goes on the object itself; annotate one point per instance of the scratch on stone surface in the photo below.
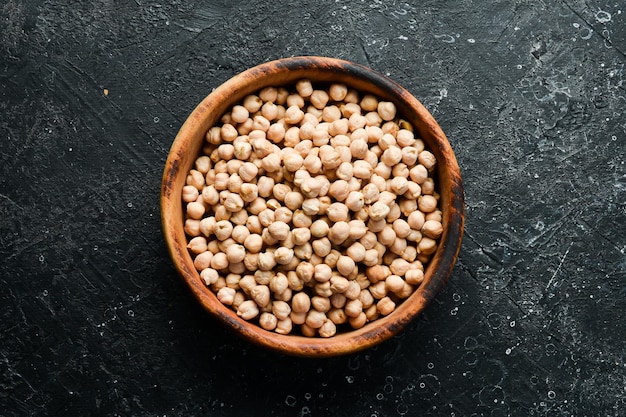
(590, 26)
(559, 267)
(552, 228)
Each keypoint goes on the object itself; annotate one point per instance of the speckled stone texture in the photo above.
(94, 319)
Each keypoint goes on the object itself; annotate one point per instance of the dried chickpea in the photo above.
(323, 193)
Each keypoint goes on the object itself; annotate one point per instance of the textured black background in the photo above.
(94, 319)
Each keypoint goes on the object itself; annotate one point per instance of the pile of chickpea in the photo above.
(312, 209)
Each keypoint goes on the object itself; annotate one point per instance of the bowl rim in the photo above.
(186, 147)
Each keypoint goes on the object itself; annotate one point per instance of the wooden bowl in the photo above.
(187, 147)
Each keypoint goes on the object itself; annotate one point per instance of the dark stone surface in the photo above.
(94, 320)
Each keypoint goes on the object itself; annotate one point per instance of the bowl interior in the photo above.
(187, 146)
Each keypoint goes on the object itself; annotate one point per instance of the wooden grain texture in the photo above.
(186, 148)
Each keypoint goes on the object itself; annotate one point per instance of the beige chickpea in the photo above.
(391, 156)
(266, 261)
(311, 206)
(192, 227)
(353, 307)
(319, 228)
(414, 276)
(248, 310)
(281, 309)
(427, 246)
(300, 303)
(339, 190)
(300, 219)
(432, 229)
(427, 203)
(416, 220)
(427, 159)
(369, 103)
(226, 295)
(319, 99)
(378, 290)
(337, 316)
(346, 265)
(401, 228)
(337, 300)
(405, 138)
(190, 193)
(284, 326)
(328, 329)
(268, 321)
(358, 148)
(203, 164)
(331, 113)
(283, 255)
(428, 186)
(371, 257)
(358, 321)
(228, 132)
(323, 273)
(379, 210)
(353, 290)
(223, 229)
(339, 232)
(279, 283)
(195, 210)
(304, 87)
(320, 303)
(337, 91)
(390, 127)
(386, 110)
(261, 295)
(202, 261)
(338, 212)
(362, 169)
(418, 173)
(385, 306)
(339, 284)
(235, 253)
(435, 215)
(338, 130)
(358, 229)
(399, 266)
(315, 319)
(305, 271)
(345, 171)
(253, 243)
(219, 261)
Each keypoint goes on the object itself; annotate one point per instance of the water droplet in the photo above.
(156, 119)
(349, 379)
(131, 313)
(551, 394)
(471, 40)
(41, 258)
(290, 400)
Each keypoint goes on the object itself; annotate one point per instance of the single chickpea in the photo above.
(427, 203)
(386, 110)
(228, 133)
(428, 186)
(300, 219)
(281, 309)
(304, 87)
(432, 229)
(219, 261)
(338, 130)
(279, 283)
(358, 148)
(239, 114)
(427, 246)
(192, 227)
(362, 169)
(260, 294)
(190, 193)
(300, 303)
(235, 253)
(323, 273)
(315, 319)
(391, 156)
(427, 159)
(358, 321)
(226, 295)
(338, 212)
(277, 132)
(320, 303)
(379, 210)
(319, 228)
(344, 171)
(418, 174)
(305, 271)
(338, 91)
(353, 290)
(284, 326)
(378, 290)
(319, 99)
(337, 316)
(203, 260)
(339, 232)
(195, 210)
(339, 190)
(345, 265)
(248, 310)
(268, 321)
(268, 94)
(414, 276)
(328, 329)
(331, 113)
(266, 261)
(369, 103)
(385, 306)
(355, 201)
